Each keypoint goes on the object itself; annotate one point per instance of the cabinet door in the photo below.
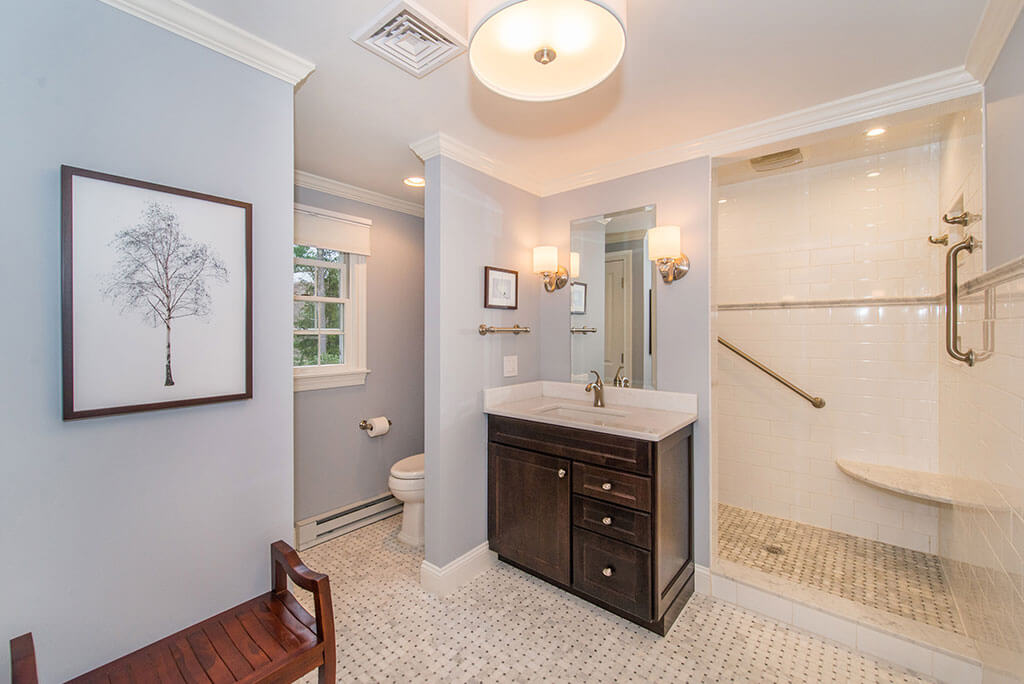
(528, 517)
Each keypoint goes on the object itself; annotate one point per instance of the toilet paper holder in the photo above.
(365, 424)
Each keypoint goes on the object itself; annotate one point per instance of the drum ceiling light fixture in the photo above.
(543, 50)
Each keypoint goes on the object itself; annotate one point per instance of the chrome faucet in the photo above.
(620, 380)
(598, 387)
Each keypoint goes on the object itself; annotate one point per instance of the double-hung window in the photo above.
(329, 299)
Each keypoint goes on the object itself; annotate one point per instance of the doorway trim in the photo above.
(626, 256)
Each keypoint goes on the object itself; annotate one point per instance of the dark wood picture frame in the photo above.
(68, 174)
(487, 288)
(572, 291)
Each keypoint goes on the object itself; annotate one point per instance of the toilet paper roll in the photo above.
(379, 426)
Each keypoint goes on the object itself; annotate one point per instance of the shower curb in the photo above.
(849, 624)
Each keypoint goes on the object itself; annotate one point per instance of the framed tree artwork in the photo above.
(156, 296)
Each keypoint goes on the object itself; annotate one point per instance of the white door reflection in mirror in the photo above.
(612, 333)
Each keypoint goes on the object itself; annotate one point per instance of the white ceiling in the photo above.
(691, 68)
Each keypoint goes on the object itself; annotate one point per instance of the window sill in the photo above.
(307, 379)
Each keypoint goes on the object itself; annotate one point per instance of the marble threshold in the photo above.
(842, 620)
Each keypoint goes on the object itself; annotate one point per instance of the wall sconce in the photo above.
(664, 246)
(574, 265)
(545, 262)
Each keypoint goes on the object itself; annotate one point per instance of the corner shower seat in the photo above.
(937, 487)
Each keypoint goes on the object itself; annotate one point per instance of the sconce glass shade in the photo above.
(545, 259)
(542, 50)
(574, 264)
(664, 242)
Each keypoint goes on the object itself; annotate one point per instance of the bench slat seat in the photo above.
(265, 640)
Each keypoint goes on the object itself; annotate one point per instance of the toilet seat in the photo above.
(409, 468)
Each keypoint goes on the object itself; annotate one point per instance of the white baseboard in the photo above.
(702, 580)
(444, 580)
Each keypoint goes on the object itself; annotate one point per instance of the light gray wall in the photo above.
(1004, 152)
(472, 221)
(336, 464)
(118, 530)
(682, 194)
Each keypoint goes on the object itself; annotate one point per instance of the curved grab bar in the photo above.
(952, 294)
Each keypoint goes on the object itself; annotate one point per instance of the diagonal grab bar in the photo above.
(816, 402)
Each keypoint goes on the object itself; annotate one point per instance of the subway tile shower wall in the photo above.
(833, 231)
(853, 230)
(876, 368)
(982, 440)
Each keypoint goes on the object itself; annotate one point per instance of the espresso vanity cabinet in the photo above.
(606, 517)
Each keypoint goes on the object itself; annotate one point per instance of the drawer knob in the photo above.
(606, 486)
(608, 572)
(561, 473)
(606, 520)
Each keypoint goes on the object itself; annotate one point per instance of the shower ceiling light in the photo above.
(875, 132)
(543, 50)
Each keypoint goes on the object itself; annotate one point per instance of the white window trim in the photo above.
(354, 371)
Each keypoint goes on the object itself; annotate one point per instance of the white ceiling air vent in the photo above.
(410, 37)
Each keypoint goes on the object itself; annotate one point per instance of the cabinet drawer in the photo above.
(609, 485)
(613, 572)
(598, 448)
(612, 521)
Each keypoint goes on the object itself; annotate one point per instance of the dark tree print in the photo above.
(162, 273)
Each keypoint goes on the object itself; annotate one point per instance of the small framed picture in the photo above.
(578, 298)
(501, 288)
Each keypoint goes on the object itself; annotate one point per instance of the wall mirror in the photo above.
(611, 298)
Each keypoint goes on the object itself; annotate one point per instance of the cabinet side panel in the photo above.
(674, 525)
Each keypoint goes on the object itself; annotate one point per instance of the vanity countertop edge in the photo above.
(661, 413)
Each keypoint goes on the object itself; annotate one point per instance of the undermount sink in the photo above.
(581, 412)
(635, 413)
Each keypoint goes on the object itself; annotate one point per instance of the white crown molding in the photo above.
(444, 144)
(994, 28)
(918, 92)
(898, 97)
(304, 179)
(204, 28)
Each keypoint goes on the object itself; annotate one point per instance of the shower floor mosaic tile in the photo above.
(506, 626)
(907, 583)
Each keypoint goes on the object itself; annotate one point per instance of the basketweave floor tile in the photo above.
(507, 626)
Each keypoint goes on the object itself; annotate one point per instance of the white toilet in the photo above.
(406, 483)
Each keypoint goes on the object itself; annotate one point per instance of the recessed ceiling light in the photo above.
(722, 201)
(874, 174)
(415, 182)
(874, 132)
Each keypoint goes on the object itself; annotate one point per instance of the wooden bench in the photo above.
(270, 638)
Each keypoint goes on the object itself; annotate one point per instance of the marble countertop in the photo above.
(640, 414)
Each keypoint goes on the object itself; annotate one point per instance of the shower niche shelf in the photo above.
(946, 489)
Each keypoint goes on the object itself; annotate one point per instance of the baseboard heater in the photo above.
(318, 529)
